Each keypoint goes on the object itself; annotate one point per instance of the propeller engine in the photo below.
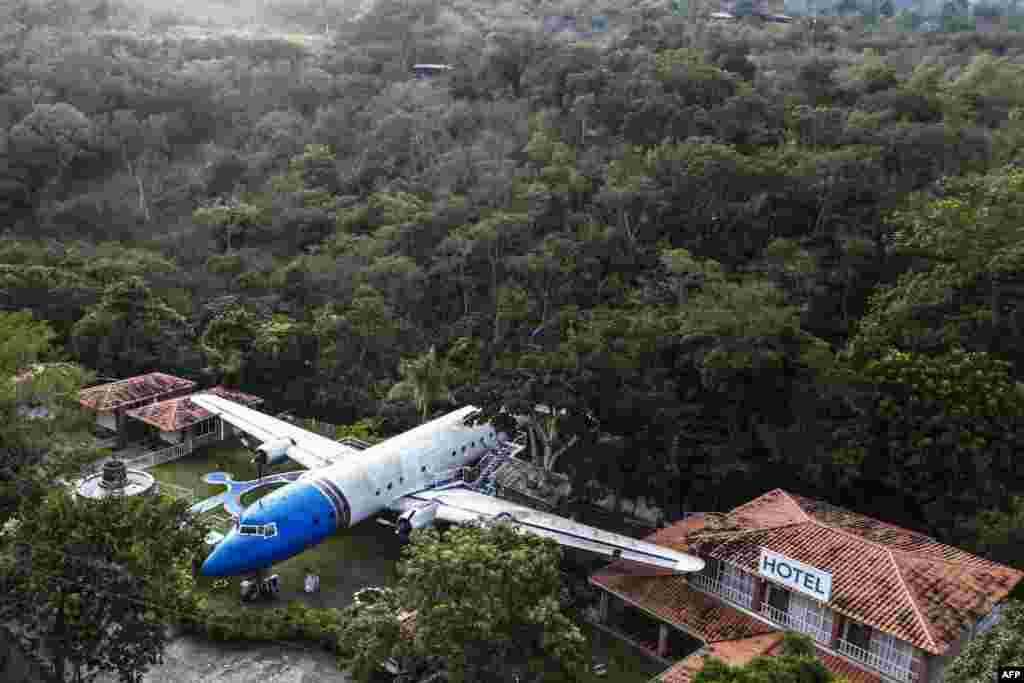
(273, 452)
(269, 453)
(417, 518)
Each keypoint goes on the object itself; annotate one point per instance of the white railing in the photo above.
(708, 584)
(885, 666)
(793, 622)
(180, 450)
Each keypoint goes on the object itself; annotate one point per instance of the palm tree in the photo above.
(424, 381)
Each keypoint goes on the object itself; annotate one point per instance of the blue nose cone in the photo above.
(238, 554)
(225, 560)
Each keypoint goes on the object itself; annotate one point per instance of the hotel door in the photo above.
(778, 598)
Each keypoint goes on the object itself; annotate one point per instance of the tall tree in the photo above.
(424, 381)
(92, 584)
(130, 330)
(981, 659)
(794, 663)
(486, 603)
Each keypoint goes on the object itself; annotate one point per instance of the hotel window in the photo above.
(811, 617)
(891, 654)
(858, 635)
(737, 585)
(778, 601)
(204, 427)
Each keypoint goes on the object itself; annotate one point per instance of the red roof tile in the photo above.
(671, 599)
(176, 414)
(895, 580)
(741, 652)
(235, 395)
(842, 668)
(131, 392)
(732, 652)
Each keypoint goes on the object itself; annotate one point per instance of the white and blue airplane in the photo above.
(344, 486)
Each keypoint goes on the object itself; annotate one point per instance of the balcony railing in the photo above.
(794, 623)
(710, 585)
(870, 659)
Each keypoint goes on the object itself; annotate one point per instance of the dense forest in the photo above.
(730, 257)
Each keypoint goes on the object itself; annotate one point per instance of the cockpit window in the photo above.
(265, 530)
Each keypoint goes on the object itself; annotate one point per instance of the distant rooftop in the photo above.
(179, 413)
(132, 392)
(37, 369)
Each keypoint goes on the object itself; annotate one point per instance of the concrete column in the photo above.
(760, 586)
(837, 630)
(919, 666)
(603, 610)
(662, 640)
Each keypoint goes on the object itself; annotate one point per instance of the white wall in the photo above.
(171, 437)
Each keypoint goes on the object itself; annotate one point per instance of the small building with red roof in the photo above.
(179, 420)
(112, 401)
(157, 405)
(881, 603)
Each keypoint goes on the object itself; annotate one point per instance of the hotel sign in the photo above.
(796, 575)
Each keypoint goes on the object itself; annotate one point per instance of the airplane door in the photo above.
(420, 459)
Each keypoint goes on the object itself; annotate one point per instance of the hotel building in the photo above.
(882, 604)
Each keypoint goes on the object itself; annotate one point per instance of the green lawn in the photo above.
(352, 559)
(346, 562)
(227, 457)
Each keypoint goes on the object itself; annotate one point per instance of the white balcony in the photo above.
(895, 670)
(792, 622)
(731, 594)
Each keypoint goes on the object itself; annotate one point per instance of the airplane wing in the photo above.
(307, 448)
(458, 505)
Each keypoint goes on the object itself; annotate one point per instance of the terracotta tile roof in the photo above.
(844, 669)
(684, 670)
(176, 414)
(740, 652)
(670, 598)
(235, 395)
(732, 652)
(895, 580)
(131, 392)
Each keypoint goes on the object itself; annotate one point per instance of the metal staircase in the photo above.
(498, 456)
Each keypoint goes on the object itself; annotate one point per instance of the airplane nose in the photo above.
(223, 561)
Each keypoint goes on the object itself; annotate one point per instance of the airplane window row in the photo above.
(264, 530)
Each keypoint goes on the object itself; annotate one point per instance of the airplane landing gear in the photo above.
(260, 585)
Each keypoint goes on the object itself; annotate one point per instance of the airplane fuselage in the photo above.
(305, 512)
